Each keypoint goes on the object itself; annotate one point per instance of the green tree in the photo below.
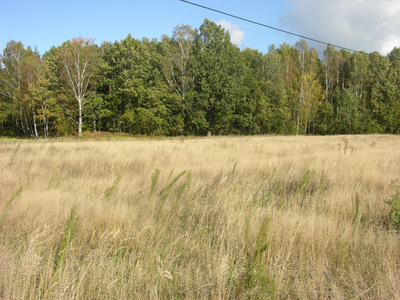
(217, 71)
(292, 79)
(20, 67)
(31, 75)
(383, 103)
(175, 62)
(277, 114)
(174, 59)
(360, 74)
(252, 113)
(136, 96)
(126, 72)
(330, 68)
(12, 62)
(347, 112)
(57, 105)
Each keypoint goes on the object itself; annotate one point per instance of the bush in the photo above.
(394, 215)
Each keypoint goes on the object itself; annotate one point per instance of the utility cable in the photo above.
(267, 26)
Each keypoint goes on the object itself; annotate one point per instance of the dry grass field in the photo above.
(267, 217)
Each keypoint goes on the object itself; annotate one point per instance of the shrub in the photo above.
(394, 214)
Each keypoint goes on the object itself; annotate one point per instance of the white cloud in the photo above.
(368, 25)
(236, 34)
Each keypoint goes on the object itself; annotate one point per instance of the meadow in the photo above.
(263, 217)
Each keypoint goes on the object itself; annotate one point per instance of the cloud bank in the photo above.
(364, 25)
(236, 34)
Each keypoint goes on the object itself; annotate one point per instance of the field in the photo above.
(268, 217)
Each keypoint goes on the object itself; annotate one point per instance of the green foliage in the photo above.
(184, 186)
(217, 75)
(165, 191)
(126, 72)
(175, 62)
(307, 178)
(69, 233)
(348, 117)
(111, 189)
(257, 283)
(154, 180)
(394, 214)
(196, 81)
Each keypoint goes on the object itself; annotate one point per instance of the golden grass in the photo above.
(208, 218)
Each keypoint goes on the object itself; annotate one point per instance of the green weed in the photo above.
(394, 214)
(154, 181)
(256, 282)
(69, 233)
(108, 192)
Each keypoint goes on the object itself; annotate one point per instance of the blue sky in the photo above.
(369, 25)
(48, 23)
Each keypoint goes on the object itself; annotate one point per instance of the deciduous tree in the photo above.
(80, 60)
(12, 62)
(217, 74)
(175, 61)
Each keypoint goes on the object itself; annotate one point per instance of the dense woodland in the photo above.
(194, 82)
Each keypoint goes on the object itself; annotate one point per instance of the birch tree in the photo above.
(31, 75)
(275, 91)
(302, 48)
(175, 62)
(330, 55)
(80, 60)
(12, 65)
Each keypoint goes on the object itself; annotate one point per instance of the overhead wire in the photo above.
(267, 26)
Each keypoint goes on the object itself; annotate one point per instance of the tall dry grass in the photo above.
(212, 218)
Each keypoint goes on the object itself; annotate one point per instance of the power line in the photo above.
(267, 26)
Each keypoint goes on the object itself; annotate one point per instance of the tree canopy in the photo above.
(193, 82)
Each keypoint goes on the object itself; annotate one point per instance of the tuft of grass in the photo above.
(68, 235)
(165, 192)
(108, 192)
(234, 168)
(154, 180)
(257, 282)
(184, 186)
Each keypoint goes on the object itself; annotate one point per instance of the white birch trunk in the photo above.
(80, 118)
(34, 123)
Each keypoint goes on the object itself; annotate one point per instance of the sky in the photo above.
(362, 25)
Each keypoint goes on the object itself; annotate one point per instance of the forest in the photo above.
(195, 82)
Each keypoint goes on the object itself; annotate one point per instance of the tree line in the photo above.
(194, 82)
